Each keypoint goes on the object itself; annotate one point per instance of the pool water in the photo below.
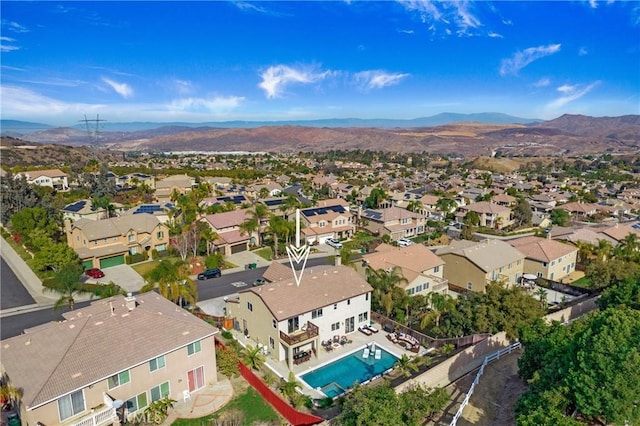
(336, 377)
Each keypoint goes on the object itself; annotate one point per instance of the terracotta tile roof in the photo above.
(619, 232)
(227, 219)
(117, 226)
(485, 207)
(93, 344)
(320, 286)
(413, 260)
(488, 255)
(542, 249)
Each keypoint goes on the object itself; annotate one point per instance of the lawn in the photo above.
(265, 253)
(144, 267)
(583, 282)
(251, 404)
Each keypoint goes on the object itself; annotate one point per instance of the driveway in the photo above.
(123, 275)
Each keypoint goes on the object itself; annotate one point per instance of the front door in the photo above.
(349, 325)
(196, 379)
(293, 324)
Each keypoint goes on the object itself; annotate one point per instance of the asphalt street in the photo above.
(207, 289)
(12, 292)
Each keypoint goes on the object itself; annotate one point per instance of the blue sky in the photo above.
(218, 61)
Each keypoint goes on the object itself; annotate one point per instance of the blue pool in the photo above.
(336, 377)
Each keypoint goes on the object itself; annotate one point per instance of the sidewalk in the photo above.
(202, 403)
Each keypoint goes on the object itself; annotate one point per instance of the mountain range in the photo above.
(449, 134)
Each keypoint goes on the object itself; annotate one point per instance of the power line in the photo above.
(94, 130)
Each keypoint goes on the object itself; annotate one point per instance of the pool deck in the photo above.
(359, 341)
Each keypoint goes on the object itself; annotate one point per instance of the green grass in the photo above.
(250, 403)
(583, 282)
(265, 253)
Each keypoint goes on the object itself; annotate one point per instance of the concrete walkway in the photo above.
(202, 403)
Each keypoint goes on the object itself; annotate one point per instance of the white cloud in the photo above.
(276, 78)
(525, 57)
(21, 102)
(122, 89)
(7, 48)
(543, 82)
(494, 35)
(583, 51)
(406, 31)
(570, 94)
(376, 79)
(183, 87)
(205, 105)
(245, 6)
(14, 26)
(456, 13)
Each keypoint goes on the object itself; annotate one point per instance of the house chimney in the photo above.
(130, 301)
(338, 260)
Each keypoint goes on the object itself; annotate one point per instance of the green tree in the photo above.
(439, 304)
(559, 217)
(53, 256)
(173, 282)
(289, 387)
(415, 206)
(253, 357)
(375, 198)
(384, 282)
(30, 219)
(366, 406)
(625, 293)
(522, 213)
(406, 365)
(471, 219)
(66, 284)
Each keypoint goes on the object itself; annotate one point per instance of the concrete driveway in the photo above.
(123, 275)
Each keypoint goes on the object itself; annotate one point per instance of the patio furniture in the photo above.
(364, 330)
(372, 329)
(301, 357)
(365, 353)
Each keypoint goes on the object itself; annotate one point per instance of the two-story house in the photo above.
(83, 209)
(393, 221)
(52, 178)
(105, 243)
(108, 361)
(419, 265)
(329, 219)
(491, 215)
(180, 184)
(227, 226)
(289, 318)
(546, 258)
(471, 265)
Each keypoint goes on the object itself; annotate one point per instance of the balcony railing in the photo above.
(438, 285)
(98, 418)
(300, 336)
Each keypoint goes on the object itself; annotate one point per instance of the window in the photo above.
(335, 326)
(159, 392)
(426, 286)
(436, 268)
(157, 363)
(553, 263)
(132, 238)
(410, 292)
(272, 342)
(274, 323)
(363, 317)
(510, 265)
(322, 224)
(104, 240)
(539, 274)
(70, 405)
(193, 348)
(335, 306)
(469, 286)
(160, 235)
(544, 264)
(519, 262)
(118, 379)
(161, 247)
(419, 288)
(250, 306)
(366, 296)
(137, 402)
(316, 314)
(501, 269)
(348, 301)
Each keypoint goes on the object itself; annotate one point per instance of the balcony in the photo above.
(309, 332)
(101, 417)
(438, 285)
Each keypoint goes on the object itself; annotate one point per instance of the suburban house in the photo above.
(108, 361)
(163, 211)
(288, 318)
(491, 215)
(471, 265)
(52, 178)
(133, 180)
(546, 258)
(105, 243)
(329, 219)
(227, 226)
(237, 201)
(419, 265)
(175, 183)
(272, 189)
(580, 210)
(83, 209)
(393, 221)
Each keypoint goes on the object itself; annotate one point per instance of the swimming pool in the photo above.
(336, 377)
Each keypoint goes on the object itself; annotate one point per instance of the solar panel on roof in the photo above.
(76, 207)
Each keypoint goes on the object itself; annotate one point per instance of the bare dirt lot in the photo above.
(493, 399)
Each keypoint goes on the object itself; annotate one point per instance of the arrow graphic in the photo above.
(298, 253)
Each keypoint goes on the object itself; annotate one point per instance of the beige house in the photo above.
(329, 219)
(227, 226)
(127, 351)
(52, 178)
(471, 266)
(546, 258)
(105, 243)
(288, 318)
(419, 265)
(178, 183)
(491, 215)
(83, 209)
(394, 221)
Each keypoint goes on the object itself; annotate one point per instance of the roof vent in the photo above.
(130, 301)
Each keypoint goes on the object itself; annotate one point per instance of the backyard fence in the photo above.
(487, 360)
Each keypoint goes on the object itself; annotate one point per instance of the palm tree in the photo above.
(603, 250)
(277, 227)
(446, 205)
(440, 304)
(210, 237)
(415, 206)
(253, 357)
(66, 283)
(173, 282)
(406, 365)
(629, 247)
(9, 393)
(586, 252)
(249, 226)
(288, 388)
(542, 296)
(384, 282)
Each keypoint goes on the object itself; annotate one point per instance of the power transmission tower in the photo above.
(93, 130)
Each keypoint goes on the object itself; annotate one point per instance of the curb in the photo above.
(24, 309)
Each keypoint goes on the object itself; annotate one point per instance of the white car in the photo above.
(332, 242)
(404, 242)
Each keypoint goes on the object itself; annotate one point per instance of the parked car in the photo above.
(404, 242)
(94, 273)
(332, 242)
(259, 281)
(210, 273)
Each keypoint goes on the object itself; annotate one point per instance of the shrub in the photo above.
(227, 334)
(215, 260)
(227, 361)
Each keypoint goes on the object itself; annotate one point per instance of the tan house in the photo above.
(288, 318)
(178, 183)
(227, 226)
(52, 178)
(105, 243)
(329, 219)
(109, 361)
(491, 215)
(546, 258)
(419, 265)
(83, 209)
(394, 222)
(471, 265)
